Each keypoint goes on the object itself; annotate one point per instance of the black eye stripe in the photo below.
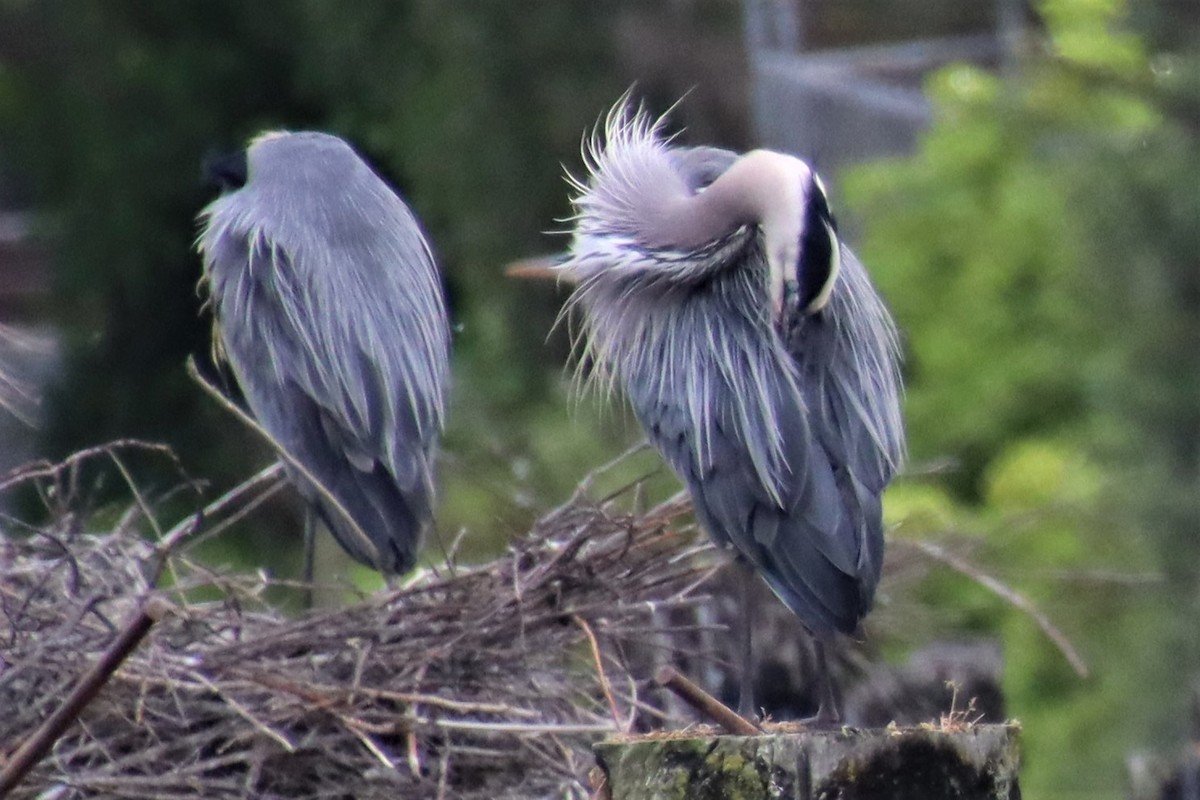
(816, 245)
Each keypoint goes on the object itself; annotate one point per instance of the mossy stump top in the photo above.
(974, 762)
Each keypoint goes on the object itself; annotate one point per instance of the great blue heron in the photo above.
(755, 353)
(329, 309)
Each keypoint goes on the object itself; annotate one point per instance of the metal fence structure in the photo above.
(836, 107)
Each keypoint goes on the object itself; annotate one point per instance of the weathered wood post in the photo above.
(973, 762)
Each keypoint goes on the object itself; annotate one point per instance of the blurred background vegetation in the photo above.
(1039, 249)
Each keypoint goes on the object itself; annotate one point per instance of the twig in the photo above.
(598, 783)
(394, 679)
(539, 268)
(241, 513)
(39, 743)
(373, 747)
(414, 699)
(138, 499)
(194, 522)
(412, 753)
(604, 685)
(319, 487)
(245, 713)
(705, 703)
(443, 774)
(530, 728)
(1012, 596)
(589, 480)
(47, 469)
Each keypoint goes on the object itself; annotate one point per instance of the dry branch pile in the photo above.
(488, 682)
(483, 683)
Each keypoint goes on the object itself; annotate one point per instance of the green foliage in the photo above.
(975, 244)
(914, 509)
(1047, 527)
(1084, 33)
(1039, 252)
(966, 243)
(1145, 240)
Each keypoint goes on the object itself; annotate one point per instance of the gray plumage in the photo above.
(753, 349)
(329, 310)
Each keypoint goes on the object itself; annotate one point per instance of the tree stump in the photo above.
(971, 763)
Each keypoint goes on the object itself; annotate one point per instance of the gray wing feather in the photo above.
(833, 399)
(805, 548)
(363, 387)
(847, 361)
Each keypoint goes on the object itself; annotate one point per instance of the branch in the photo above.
(47, 469)
(272, 476)
(364, 540)
(1010, 595)
(705, 703)
(38, 744)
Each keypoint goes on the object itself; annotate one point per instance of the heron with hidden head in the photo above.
(755, 352)
(328, 308)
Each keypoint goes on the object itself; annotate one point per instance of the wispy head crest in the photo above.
(628, 172)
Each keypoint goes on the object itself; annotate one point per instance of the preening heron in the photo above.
(754, 351)
(329, 310)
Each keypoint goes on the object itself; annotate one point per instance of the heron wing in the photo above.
(342, 357)
(859, 470)
(800, 539)
(849, 356)
(846, 360)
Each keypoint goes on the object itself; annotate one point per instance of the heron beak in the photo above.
(542, 268)
(781, 283)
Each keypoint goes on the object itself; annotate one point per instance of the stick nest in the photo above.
(486, 682)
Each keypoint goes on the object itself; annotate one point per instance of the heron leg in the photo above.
(746, 643)
(828, 713)
(310, 547)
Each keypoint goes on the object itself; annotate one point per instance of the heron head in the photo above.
(225, 171)
(305, 186)
(819, 249)
(649, 205)
(314, 160)
(229, 172)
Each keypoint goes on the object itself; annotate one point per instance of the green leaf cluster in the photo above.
(1039, 253)
(976, 244)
